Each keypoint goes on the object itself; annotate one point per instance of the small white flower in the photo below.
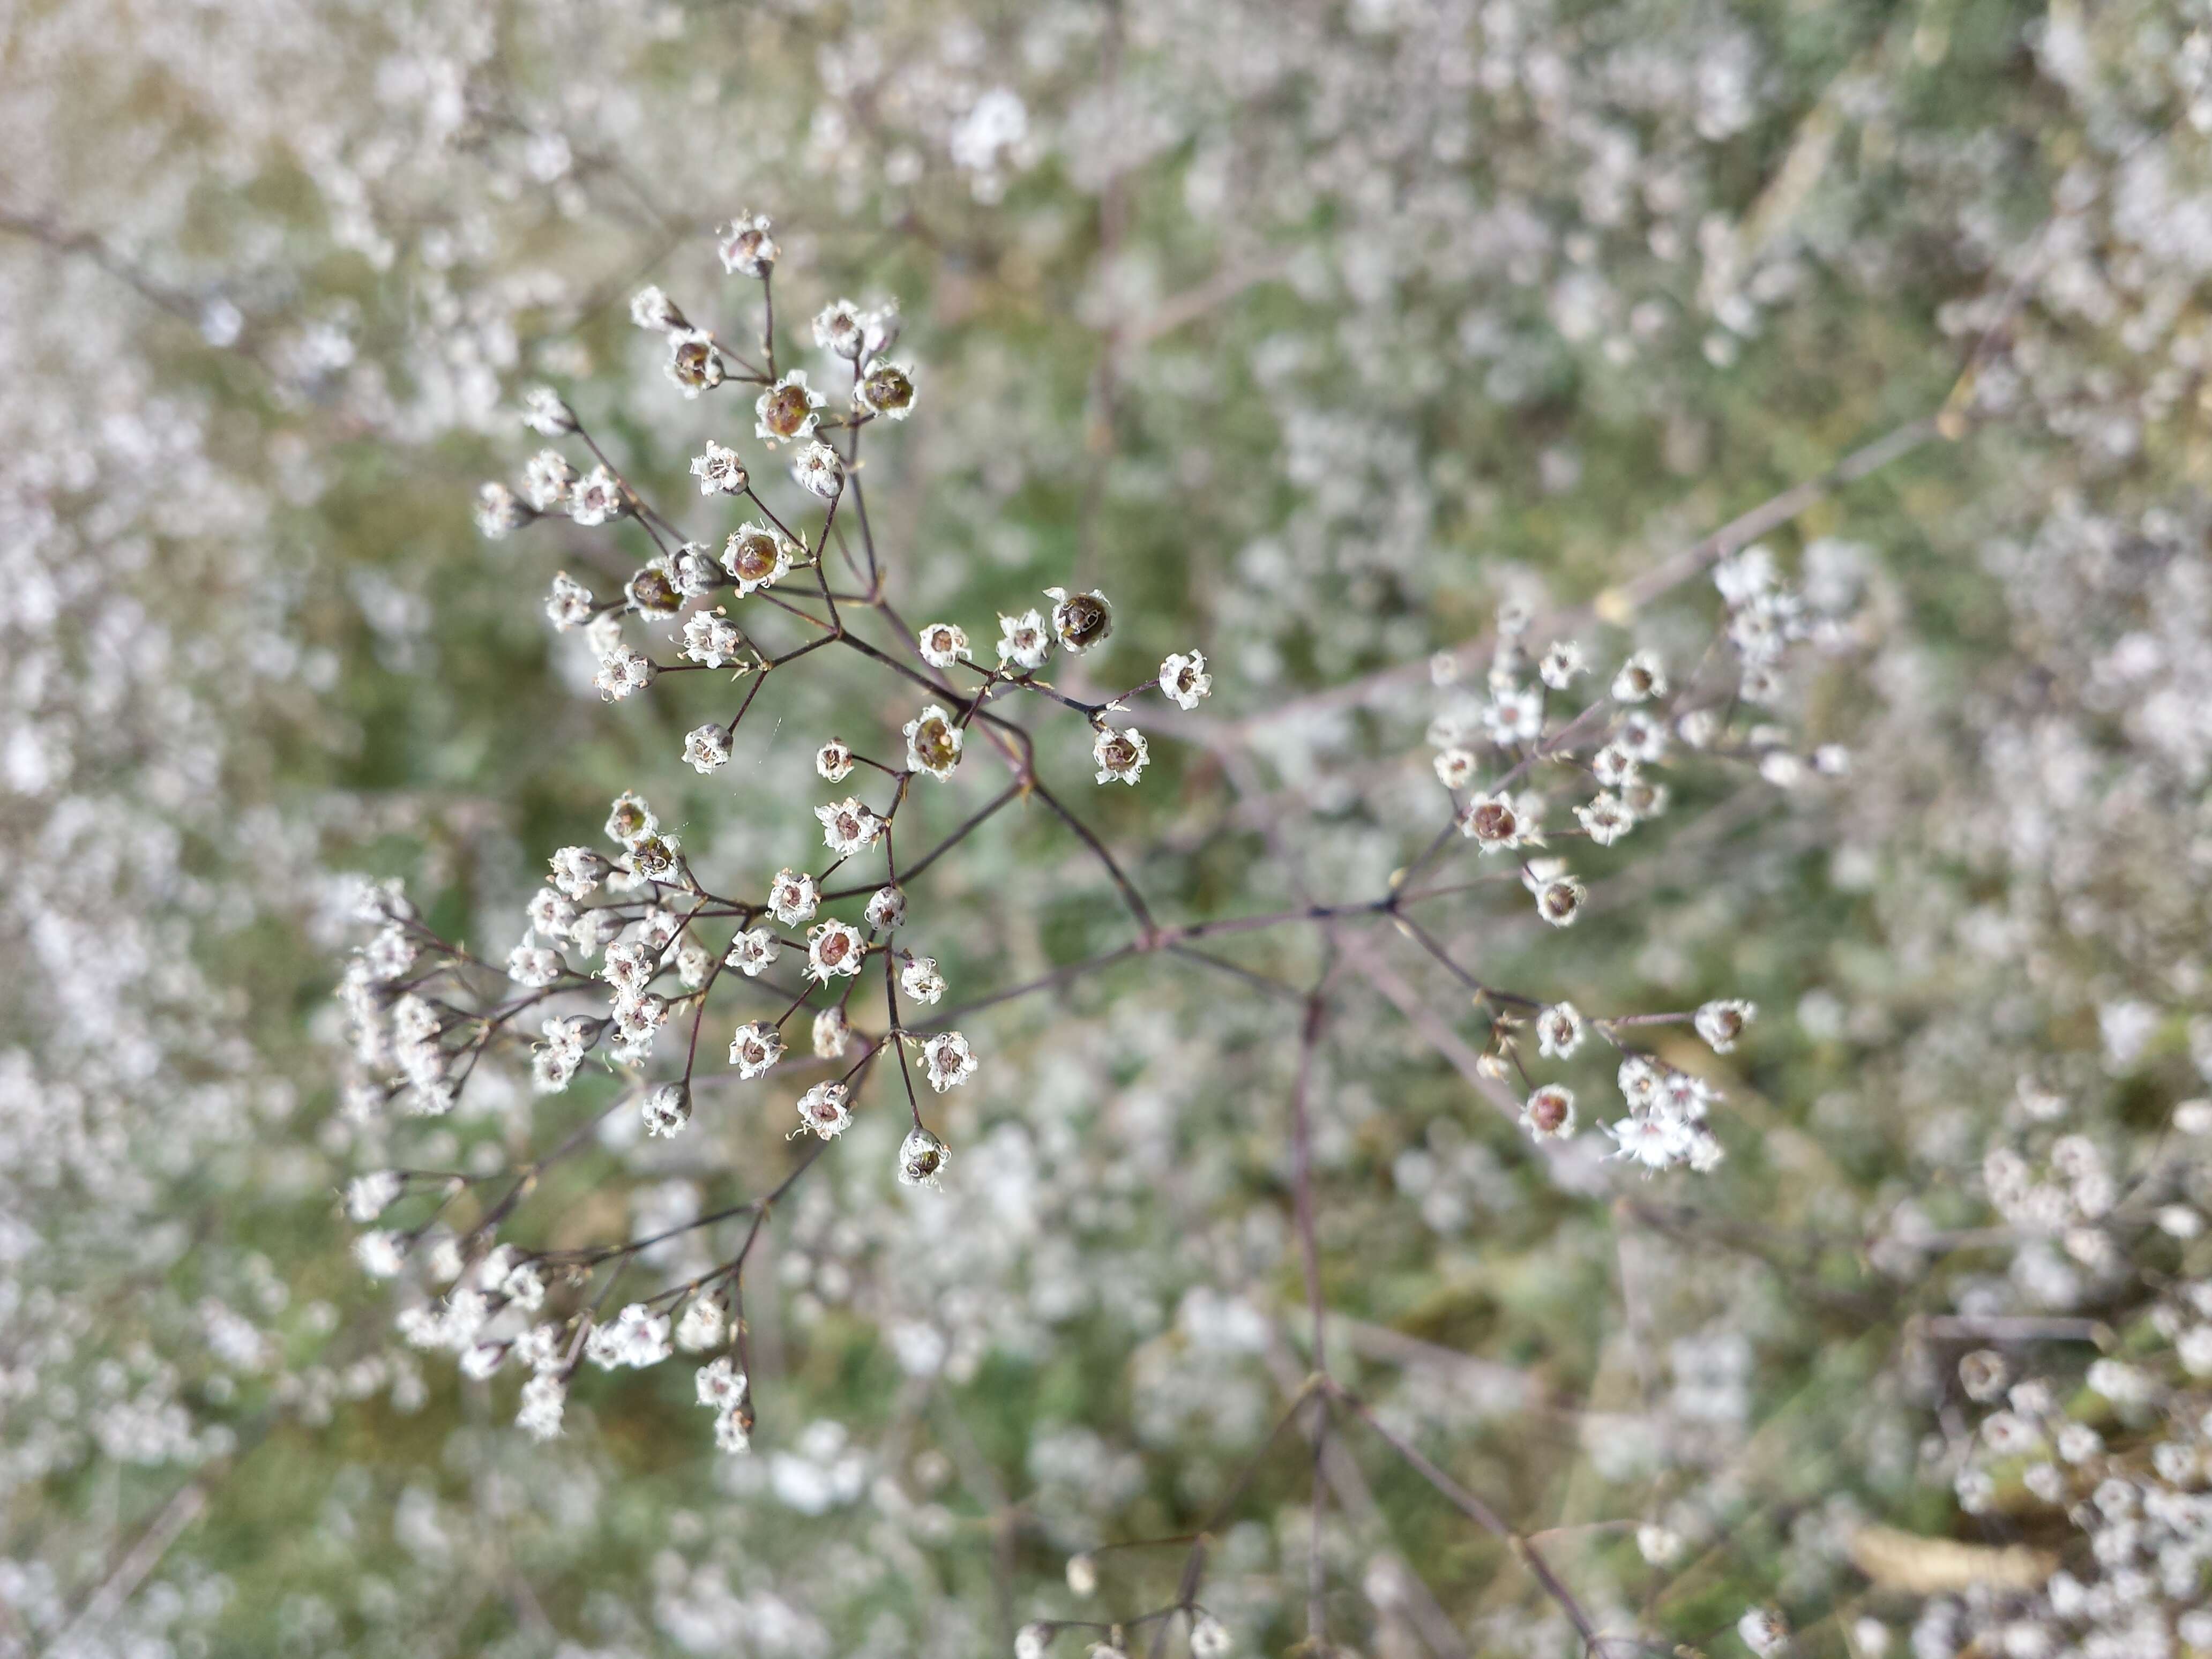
(746, 248)
(1641, 677)
(1613, 767)
(651, 308)
(932, 743)
(921, 981)
(1765, 1632)
(379, 1254)
(842, 328)
(949, 1060)
(543, 1398)
(1209, 1637)
(1558, 1030)
(1722, 1022)
(835, 948)
(848, 827)
(1549, 1113)
(1184, 680)
(1605, 820)
(667, 1109)
(832, 1034)
(833, 760)
(886, 388)
(819, 470)
(596, 498)
(547, 479)
(921, 1158)
(793, 897)
(1023, 642)
(1121, 756)
(1562, 660)
(545, 412)
(1640, 1079)
(1643, 1141)
(624, 674)
(1497, 823)
(1514, 715)
(1560, 900)
(1456, 767)
(569, 603)
(718, 471)
(733, 1431)
(499, 514)
(786, 411)
(533, 965)
(693, 364)
(711, 639)
(721, 1383)
(706, 748)
(368, 1196)
(942, 644)
(1080, 619)
(755, 1048)
(825, 1109)
(701, 1325)
(757, 557)
(753, 951)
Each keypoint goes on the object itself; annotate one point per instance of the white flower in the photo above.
(499, 514)
(835, 948)
(1515, 714)
(1549, 1113)
(942, 644)
(719, 473)
(833, 760)
(848, 827)
(368, 1196)
(1643, 1141)
(786, 411)
(921, 1158)
(630, 965)
(1765, 1632)
(921, 981)
(1497, 823)
(596, 498)
(1562, 660)
(755, 1048)
(832, 1034)
(752, 951)
(757, 557)
(733, 1432)
(1558, 1030)
(711, 639)
(701, 1325)
(667, 1109)
(546, 413)
(622, 673)
(1121, 756)
(1024, 640)
(693, 362)
(533, 965)
(379, 1254)
(932, 743)
(720, 1384)
(1454, 768)
(825, 1109)
(651, 308)
(1560, 900)
(1642, 676)
(638, 1338)
(1640, 1078)
(949, 1060)
(1183, 679)
(1613, 767)
(884, 388)
(1642, 737)
(793, 897)
(707, 747)
(1209, 1637)
(569, 603)
(1723, 1022)
(543, 1398)
(1605, 820)
(819, 470)
(547, 479)
(842, 328)
(1080, 619)
(886, 909)
(746, 248)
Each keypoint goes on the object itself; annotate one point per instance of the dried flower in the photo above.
(757, 557)
(819, 470)
(932, 743)
(745, 246)
(1120, 755)
(921, 1158)
(667, 1108)
(1080, 619)
(786, 411)
(942, 644)
(1184, 680)
(835, 948)
(948, 1060)
(718, 471)
(825, 1109)
(755, 1048)
(833, 760)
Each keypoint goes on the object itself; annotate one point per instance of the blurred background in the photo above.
(1312, 333)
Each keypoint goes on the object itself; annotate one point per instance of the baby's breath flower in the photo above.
(701, 1325)
(786, 411)
(1082, 1576)
(746, 248)
(1497, 823)
(842, 328)
(543, 1398)
(498, 513)
(1605, 819)
(368, 1196)
(1549, 1113)
(886, 388)
(1121, 756)
(630, 819)
(1763, 1631)
(694, 364)
(848, 827)
(942, 644)
(886, 909)
(832, 1034)
(710, 638)
(755, 1048)
(547, 480)
(652, 592)
(545, 412)
(1561, 662)
(707, 747)
(667, 1109)
(718, 471)
(1022, 640)
(653, 857)
(834, 760)
(577, 872)
(1183, 679)
(752, 952)
(819, 470)
(651, 308)
(1560, 900)
(1514, 714)
(825, 1109)
(1032, 1641)
(569, 603)
(932, 743)
(1612, 766)
(921, 981)
(757, 557)
(1720, 1022)
(793, 897)
(692, 568)
(1641, 677)
(835, 948)
(1646, 1141)
(720, 1384)
(948, 1059)
(1456, 769)
(533, 965)
(1209, 1637)
(623, 672)
(1558, 1030)
(379, 1254)
(921, 1158)
(597, 498)
(1080, 619)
